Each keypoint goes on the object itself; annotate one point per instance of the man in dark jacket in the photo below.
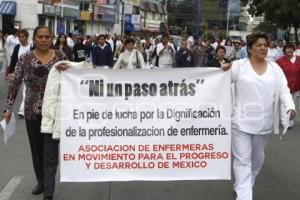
(102, 55)
(184, 57)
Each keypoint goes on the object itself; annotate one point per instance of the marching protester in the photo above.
(166, 52)
(153, 57)
(171, 40)
(61, 44)
(229, 48)
(3, 62)
(120, 49)
(140, 47)
(184, 57)
(102, 55)
(70, 40)
(130, 58)
(219, 59)
(110, 42)
(10, 43)
(279, 48)
(208, 53)
(19, 50)
(236, 48)
(261, 94)
(198, 53)
(290, 65)
(242, 53)
(79, 50)
(34, 67)
(272, 51)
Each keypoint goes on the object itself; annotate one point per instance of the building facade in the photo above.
(199, 17)
(12, 15)
(84, 17)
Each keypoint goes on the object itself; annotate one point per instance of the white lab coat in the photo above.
(51, 102)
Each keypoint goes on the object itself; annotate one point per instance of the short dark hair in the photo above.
(220, 47)
(287, 46)
(24, 32)
(40, 27)
(252, 38)
(99, 36)
(129, 40)
(165, 35)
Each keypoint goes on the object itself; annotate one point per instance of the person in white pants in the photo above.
(261, 93)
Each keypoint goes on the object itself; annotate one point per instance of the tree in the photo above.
(284, 14)
(266, 27)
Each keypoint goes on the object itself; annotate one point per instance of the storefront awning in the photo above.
(8, 8)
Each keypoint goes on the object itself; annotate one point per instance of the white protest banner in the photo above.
(159, 124)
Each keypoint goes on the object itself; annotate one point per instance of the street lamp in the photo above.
(228, 12)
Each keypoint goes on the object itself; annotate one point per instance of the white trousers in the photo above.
(21, 111)
(297, 104)
(248, 158)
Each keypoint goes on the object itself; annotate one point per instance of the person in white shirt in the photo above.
(297, 51)
(261, 94)
(19, 50)
(279, 48)
(272, 51)
(110, 41)
(166, 52)
(190, 42)
(10, 43)
(131, 58)
(70, 40)
(2, 52)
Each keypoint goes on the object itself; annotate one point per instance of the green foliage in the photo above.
(283, 13)
(266, 27)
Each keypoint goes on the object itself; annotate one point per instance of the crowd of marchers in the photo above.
(265, 74)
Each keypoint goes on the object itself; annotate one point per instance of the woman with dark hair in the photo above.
(19, 50)
(131, 58)
(219, 59)
(34, 67)
(61, 44)
(290, 64)
(261, 95)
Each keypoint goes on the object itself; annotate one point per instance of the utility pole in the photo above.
(198, 12)
(123, 17)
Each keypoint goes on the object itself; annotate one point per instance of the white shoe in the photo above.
(20, 115)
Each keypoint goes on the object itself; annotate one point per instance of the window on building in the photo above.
(84, 6)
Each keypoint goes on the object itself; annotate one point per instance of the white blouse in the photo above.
(272, 54)
(130, 60)
(254, 102)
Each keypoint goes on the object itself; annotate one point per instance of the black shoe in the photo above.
(38, 189)
(48, 198)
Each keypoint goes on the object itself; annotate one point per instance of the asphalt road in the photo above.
(278, 180)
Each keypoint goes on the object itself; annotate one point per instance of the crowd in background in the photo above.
(35, 62)
(138, 52)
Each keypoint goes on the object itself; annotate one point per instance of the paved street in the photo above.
(279, 179)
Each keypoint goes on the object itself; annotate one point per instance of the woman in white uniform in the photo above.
(131, 58)
(259, 87)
